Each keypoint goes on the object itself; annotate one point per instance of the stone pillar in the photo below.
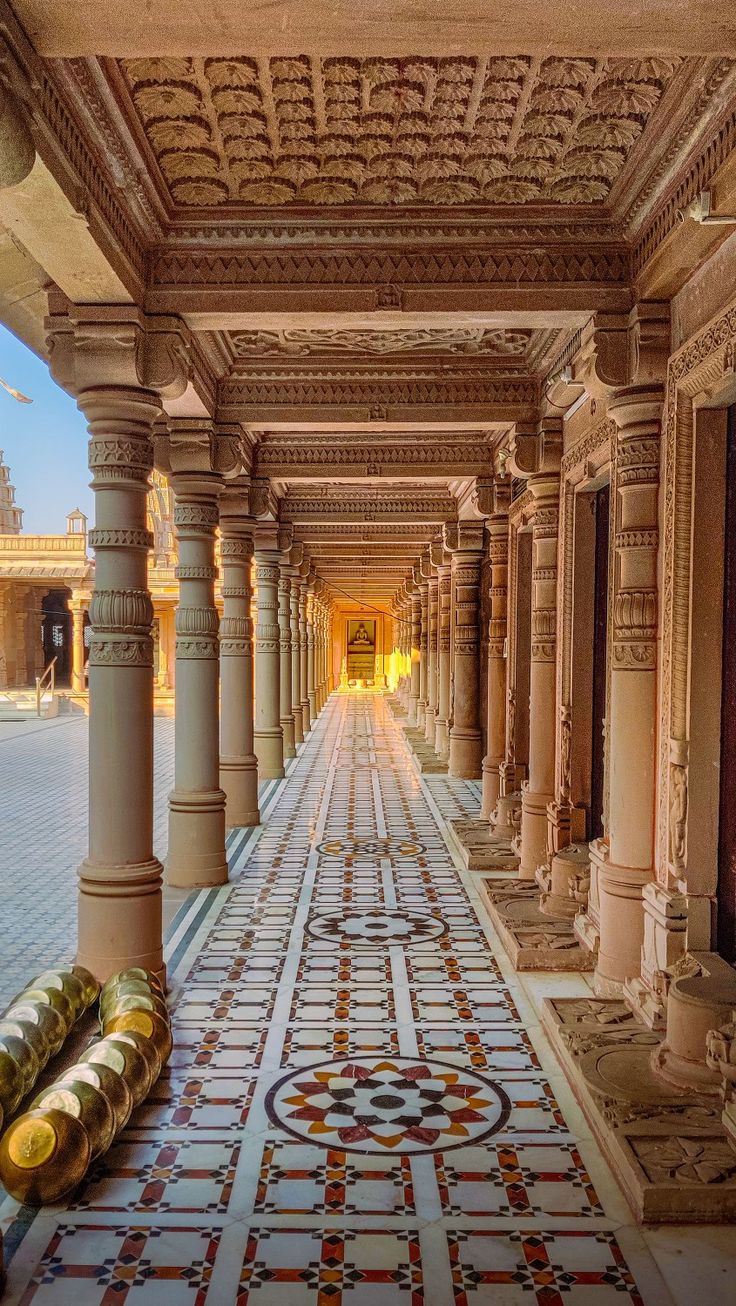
(238, 764)
(414, 655)
(118, 364)
(296, 697)
(311, 689)
(286, 716)
(304, 654)
(465, 732)
(268, 735)
(317, 612)
(498, 549)
(21, 630)
(196, 855)
(78, 607)
(430, 713)
(622, 863)
(442, 722)
(423, 646)
(540, 788)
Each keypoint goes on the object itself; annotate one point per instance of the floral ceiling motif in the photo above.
(412, 130)
(303, 342)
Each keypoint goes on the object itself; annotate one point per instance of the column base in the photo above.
(533, 833)
(119, 915)
(558, 882)
(491, 788)
(430, 714)
(298, 727)
(621, 917)
(696, 1004)
(479, 848)
(289, 736)
(421, 714)
(465, 754)
(306, 718)
(441, 739)
(239, 780)
(269, 750)
(196, 856)
(312, 706)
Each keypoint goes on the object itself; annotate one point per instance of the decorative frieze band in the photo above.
(121, 651)
(199, 621)
(121, 538)
(182, 572)
(199, 515)
(123, 610)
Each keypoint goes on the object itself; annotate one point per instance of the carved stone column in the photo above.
(623, 863)
(318, 653)
(539, 790)
(304, 652)
(498, 549)
(311, 688)
(296, 701)
(423, 645)
(238, 764)
(196, 853)
(78, 608)
(415, 655)
(268, 738)
(442, 721)
(430, 714)
(466, 542)
(286, 715)
(119, 364)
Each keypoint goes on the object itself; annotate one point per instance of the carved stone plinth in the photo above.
(559, 883)
(507, 816)
(480, 847)
(669, 1149)
(532, 940)
(663, 952)
(423, 755)
(696, 1004)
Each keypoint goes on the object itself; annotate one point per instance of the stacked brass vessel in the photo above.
(46, 1151)
(35, 1026)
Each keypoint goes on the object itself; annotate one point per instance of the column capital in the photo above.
(119, 345)
(619, 349)
(465, 536)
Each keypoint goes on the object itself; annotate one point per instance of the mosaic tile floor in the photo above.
(357, 1110)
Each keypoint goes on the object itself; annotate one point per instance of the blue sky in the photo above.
(45, 442)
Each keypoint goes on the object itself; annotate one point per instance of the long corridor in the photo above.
(358, 1110)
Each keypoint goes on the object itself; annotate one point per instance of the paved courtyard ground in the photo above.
(43, 837)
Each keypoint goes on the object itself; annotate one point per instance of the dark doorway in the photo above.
(727, 819)
(602, 506)
(57, 634)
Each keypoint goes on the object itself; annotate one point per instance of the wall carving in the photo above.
(342, 130)
(703, 365)
(300, 342)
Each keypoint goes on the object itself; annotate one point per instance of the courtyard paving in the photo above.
(43, 837)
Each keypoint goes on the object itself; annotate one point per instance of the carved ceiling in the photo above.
(417, 130)
(299, 342)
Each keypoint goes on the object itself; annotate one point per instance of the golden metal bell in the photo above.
(30, 1034)
(69, 984)
(145, 1022)
(126, 1060)
(11, 1084)
(87, 1104)
(134, 973)
(109, 1082)
(89, 983)
(146, 1047)
(43, 1156)
(51, 1026)
(24, 1057)
(50, 998)
(134, 1002)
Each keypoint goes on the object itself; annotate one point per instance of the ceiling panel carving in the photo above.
(302, 342)
(414, 130)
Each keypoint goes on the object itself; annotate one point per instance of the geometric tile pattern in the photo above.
(478, 1189)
